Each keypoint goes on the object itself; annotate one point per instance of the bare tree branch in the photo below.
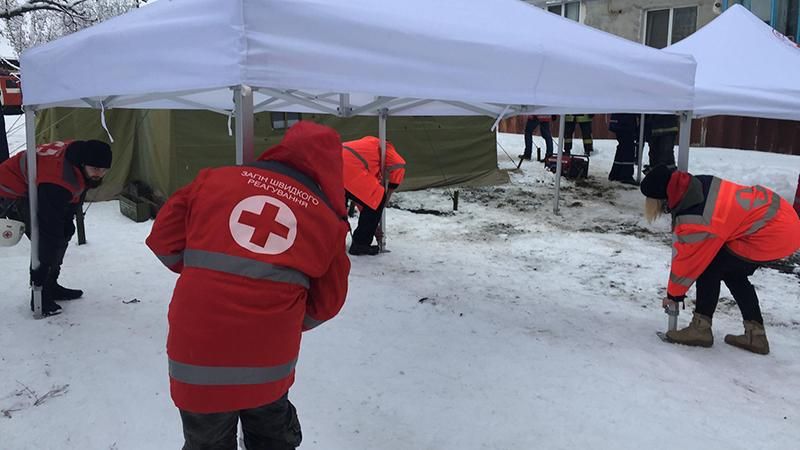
(69, 7)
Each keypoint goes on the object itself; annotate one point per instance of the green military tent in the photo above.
(166, 148)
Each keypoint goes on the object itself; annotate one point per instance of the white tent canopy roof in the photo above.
(744, 68)
(470, 56)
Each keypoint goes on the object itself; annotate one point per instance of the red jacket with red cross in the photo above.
(52, 167)
(260, 250)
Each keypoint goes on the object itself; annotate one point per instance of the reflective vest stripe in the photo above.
(774, 206)
(310, 322)
(708, 210)
(246, 267)
(170, 260)
(218, 376)
(23, 166)
(357, 155)
(11, 191)
(683, 281)
(694, 238)
(624, 163)
(394, 167)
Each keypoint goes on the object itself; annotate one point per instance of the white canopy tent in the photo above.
(374, 57)
(744, 68)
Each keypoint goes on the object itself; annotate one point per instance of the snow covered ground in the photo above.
(499, 326)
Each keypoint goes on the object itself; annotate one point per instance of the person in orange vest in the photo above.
(261, 257)
(797, 197)
(722, 231)
(363, 184)
(65, 170)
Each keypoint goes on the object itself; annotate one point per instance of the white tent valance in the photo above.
(469, 56)
(744, 68)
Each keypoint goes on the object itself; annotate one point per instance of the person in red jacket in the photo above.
(65, 170)
(261, 257)
(363, 183)
(722, 231)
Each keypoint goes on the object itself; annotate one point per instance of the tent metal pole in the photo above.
(243, 101)
(344, 105)
(561, 126)
(383, 114)
(684, 139)
(33, 201)
(640, 151)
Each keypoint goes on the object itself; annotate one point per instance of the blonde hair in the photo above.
(653, 209)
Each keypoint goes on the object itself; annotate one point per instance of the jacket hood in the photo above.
(316, 151)
(677, 188)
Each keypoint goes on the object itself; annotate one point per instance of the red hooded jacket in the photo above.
(260, 251)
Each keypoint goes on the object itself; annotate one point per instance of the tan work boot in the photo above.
(697, 334)
(754, 338)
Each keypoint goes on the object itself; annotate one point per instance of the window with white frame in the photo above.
(667, 26)
(568, 9)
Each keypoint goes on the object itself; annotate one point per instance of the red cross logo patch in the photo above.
(263, 224)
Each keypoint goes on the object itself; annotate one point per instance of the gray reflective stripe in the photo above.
(708, 210)
(774, 206)
(357, 155)
(624, 163)
(694, 238)
(310, 322)
(217, 376)
(170, 260)
(10, 191)
(394, 167)
(683, 281)
(246, 267)
(23, 165)
(70, 178)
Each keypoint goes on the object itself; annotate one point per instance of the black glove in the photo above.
(39, 276)
(678, 299)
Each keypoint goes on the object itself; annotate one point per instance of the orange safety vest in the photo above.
(752, 222)
(52, 167)
(361, 161)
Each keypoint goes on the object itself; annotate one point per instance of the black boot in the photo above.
(526, 156)
(58, 292)
(363, 249)
(49, 307)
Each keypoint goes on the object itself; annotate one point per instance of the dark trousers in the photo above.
(734, 271)
(544, 128)
(368, 220)
(270, 427)
(586, 134)
(625, 158)
(662, 149)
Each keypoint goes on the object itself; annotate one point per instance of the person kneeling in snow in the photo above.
(261, 257)
(364, 185)
(722, 231)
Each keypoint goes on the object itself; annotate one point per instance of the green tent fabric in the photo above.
(167, 148)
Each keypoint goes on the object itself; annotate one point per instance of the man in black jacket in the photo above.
(65, 171)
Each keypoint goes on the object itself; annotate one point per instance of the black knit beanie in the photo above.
(654, 185)
(90, 153)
